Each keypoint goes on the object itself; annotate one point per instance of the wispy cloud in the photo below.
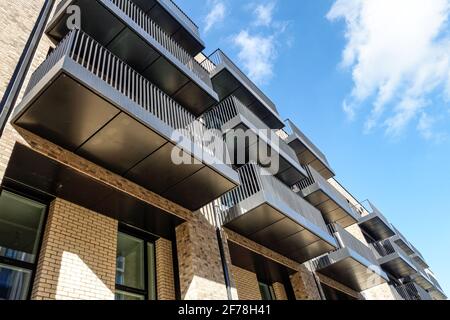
(399, 54)
(264, 14)
(259, 41)
(216, 14)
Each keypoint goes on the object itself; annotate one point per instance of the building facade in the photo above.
(136, 167)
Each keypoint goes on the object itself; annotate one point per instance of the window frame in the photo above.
(30, 266)
(147, 239)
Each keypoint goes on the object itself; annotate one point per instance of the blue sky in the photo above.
(369, 83)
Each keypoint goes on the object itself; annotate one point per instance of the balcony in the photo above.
(174, 22)
(228, 80)
(128, 32)
(436, 291)
(234, 119)
(353, 264)
(393, 259)
(321, 194)
(411, 291)
(88, 101)
(400, 240)
(307, 152)
(264, 210)
(374, 223)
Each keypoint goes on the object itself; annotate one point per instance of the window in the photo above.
(21, 221)
(267, 292)
(135, 268)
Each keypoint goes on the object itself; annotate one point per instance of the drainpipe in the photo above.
(18, 78)
(226, 274)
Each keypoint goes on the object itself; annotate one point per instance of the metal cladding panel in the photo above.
(375, 226)
(31, 170)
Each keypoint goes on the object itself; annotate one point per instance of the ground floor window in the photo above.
(267, 292)
(135, 267)
(21, 223)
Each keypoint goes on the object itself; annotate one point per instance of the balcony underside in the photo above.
(437, 294)
(76, 110)
(172, 25)
(307, 157)
(332, 211)
(267, 270)
(420, 261)
(396, 265)
(108, 25)
(376, 227)
(280, 229)
(349, 268)
(422, 281)
(227, 83)
(403, 245)
(286, 169)
(29, 171)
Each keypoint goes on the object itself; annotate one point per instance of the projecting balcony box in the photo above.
(307, 152)
(266, 211)
(91, 103)
(436, 290)
(129, 33)
(353, 264)
(400, 240)
(321, 194)
(419, 259)
(237, 123)
(411, 291)
(174, 22)
(375, 224)
(228, 80)
(393, 259)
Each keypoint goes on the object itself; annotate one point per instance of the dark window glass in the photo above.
(267, 292)
(14, 282)
(135, 268)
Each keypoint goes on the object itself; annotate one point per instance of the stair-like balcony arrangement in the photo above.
(235, 120)
(353, 264)
(266, 211)
(321, 194)
(436, 290)
(400, 240)
(169, 16)
(306, 151)
(374, 223)
(393, 259)
(228, 80)
(418, 258)
(88, 101)
(128, 32)
(411, 291)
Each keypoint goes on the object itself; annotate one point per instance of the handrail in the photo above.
(182, 15)
(135, 13)
(218, 58)
(315, 177)
(254, 180)
(347, 240)
(87, 52)
(231, 108)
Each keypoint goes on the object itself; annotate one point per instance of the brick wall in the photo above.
(304, 285)
(280, 291)
(199, 263)
(164, 270)
(246, 284)
(78, 256)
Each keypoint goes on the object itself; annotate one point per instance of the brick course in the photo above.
(164, 270)
(246, 284)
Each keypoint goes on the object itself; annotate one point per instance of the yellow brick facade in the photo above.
(246, 284)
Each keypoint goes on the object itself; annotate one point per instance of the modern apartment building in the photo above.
(110, 190)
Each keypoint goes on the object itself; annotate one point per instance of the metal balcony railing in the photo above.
(295, 130)
(233, 107)
(411, 291)
(347, 240)
(182, 16)
(151, 28)
(218, 58)
(315, 177)
(85, 51)
(255, 179)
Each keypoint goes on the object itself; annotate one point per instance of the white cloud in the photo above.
(216, 15)
(257, 53)
(264, 14)
(399, 54)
